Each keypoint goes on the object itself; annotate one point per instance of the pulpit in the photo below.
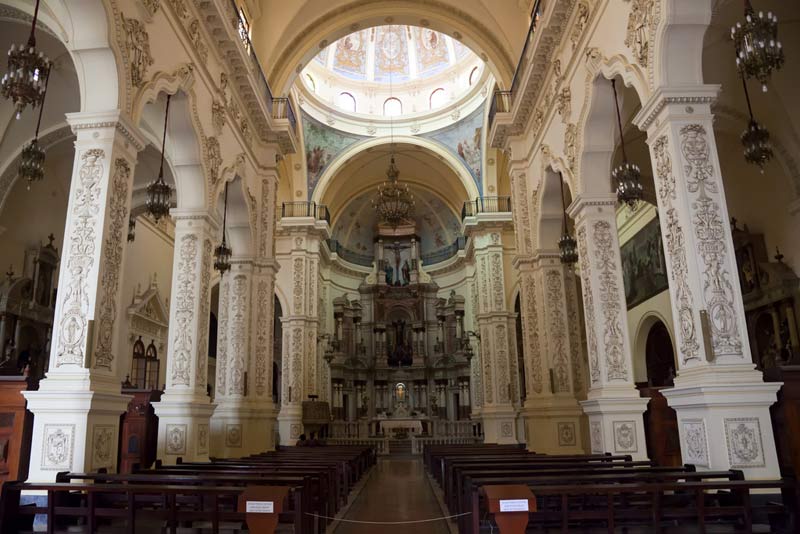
(139, 430)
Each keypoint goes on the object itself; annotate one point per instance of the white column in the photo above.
(613, 405)
(552, 415)
(498, 413)
(77, 407)
(721, 401)
(232, 423)
(184, 410)
(301, 325)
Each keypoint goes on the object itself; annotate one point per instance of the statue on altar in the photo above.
(388, 274)
(406, 273)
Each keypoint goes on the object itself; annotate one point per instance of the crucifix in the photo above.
(398, 248)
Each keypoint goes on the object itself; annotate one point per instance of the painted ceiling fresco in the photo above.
(324, 143)
(437, 224)
(393, 54)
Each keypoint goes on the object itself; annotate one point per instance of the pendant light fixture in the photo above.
(159, 193)
(131, 229)
(758, 50)
(31, 165)
(755, 139)
(222, 254)
(28, 70)
(567, 246)
(627, 175)
(394, 202)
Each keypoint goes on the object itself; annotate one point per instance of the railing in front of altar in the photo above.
(381, 445)
(418, 443)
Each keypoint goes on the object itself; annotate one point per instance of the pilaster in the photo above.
(498, 412)
(552, 415)
(184, 410)
(613, 405)
(77, 407)
(717, 391)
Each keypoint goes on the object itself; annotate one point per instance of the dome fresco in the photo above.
(437, 224)
(395, 54)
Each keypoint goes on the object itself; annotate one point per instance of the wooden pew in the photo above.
(126, 505)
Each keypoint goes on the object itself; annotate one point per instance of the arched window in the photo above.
(153, 366)
(311, 84)
(347, 102)
(438, 98)
(392, 107)
(473, 76)
(139, 367)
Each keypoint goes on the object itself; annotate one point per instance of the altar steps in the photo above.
(400, 447)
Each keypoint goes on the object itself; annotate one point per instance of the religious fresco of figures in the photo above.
(322, 145)
(438, 225)
(464, 140)
(391, 54)
(350, 55)
(432, 53)
(644, 268)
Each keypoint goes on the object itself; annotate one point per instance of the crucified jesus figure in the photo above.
(398, 248)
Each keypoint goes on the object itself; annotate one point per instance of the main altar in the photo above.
(396, 355)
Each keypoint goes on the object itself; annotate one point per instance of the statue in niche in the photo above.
(389, 274)
(406, 273)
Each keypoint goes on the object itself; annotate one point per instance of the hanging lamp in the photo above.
(627, 175)
(758, 50)
(222, 254)
(131, 229)
(755, 139)
(26, 80)
(159, 192)
(567, 246)
(31, 165)
(394, 202)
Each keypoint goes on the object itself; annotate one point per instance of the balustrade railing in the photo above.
(485, 205)
(502, 101)
(438, 256)
(381, 445)
(418, 443)
(365, 260)
(319, 212)
(280, 107)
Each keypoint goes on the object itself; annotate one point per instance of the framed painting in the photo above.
(644, 268)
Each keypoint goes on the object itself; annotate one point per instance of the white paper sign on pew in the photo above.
(514, 505)
(260, 507)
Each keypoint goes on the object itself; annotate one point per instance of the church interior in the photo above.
(351, 266)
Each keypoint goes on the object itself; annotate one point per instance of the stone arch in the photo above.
(456, 165)
(678, 38)
(595, 150)
(183, 147)
(85, 28)
(368, 13)
(549, 209)
(241, 211)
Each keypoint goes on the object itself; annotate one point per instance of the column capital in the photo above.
(97, 120)
(202, 216)
(664, 96)
(582, 201)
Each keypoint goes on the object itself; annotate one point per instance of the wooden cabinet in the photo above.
(661, 428)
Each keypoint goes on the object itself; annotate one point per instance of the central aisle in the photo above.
(397, 490)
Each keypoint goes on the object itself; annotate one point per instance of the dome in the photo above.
(393, 70)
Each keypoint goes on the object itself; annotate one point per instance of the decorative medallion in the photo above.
(625, 436)
(176, 439)
(566, 434)
(57, 447)
(695, 443)
(743, 436)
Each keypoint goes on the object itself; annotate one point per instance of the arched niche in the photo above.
(644, 340)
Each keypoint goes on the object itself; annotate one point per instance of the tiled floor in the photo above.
(396, 491)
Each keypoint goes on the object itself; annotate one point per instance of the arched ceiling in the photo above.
(438, 225)
(422, 169)
(287, 35)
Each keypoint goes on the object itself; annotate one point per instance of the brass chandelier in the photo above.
(394, 203)
(758, 50)
(28, 70)
(159, 192)
(567, 246)
(627, 175)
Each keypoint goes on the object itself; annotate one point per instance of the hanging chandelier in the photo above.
(567, 246)
(26, 80)
(395, 203)
(755, 139)
(222, 254)
(31, 165)
(758, 50)
(131, 229)
(159, 192)
(627, 175)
